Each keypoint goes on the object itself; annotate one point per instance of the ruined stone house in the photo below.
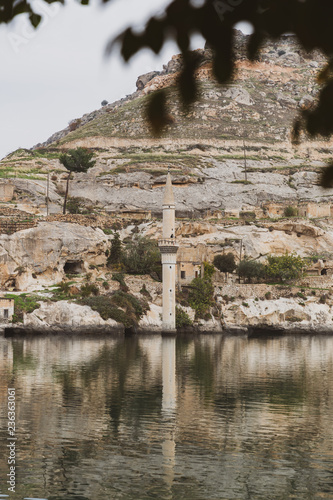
(6, 309)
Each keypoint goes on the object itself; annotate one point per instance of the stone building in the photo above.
(6, 309)
(189, 261)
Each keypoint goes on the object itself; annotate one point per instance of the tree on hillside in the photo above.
(309, 20)
(115, 254)
(225, 263)
(285, 268)
(76, 160)
(251, 270)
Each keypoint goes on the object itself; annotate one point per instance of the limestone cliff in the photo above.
(231, 151)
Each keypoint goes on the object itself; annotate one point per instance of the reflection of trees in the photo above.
(123, 375)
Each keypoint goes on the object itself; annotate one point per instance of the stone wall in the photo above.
(6, 191)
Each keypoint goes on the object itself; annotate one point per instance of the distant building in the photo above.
(6, 309)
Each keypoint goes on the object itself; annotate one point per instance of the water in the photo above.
(192, 418)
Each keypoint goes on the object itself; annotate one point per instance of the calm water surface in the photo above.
(186, 418)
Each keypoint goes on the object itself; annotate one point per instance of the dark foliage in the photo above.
(225, 263)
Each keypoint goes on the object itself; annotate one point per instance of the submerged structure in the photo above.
(168, 247)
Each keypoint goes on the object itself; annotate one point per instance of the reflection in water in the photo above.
(145, 417)
(169, 408)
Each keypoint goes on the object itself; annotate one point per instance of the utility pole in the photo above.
(47, 193)
(244, 148)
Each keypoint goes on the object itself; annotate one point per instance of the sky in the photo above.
(59, 72)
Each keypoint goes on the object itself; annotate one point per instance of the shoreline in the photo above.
(250, 331)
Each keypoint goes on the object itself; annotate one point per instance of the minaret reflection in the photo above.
(169, 403)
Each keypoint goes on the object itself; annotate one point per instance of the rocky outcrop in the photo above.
(68, 317)
(44, 254)
(285, 315)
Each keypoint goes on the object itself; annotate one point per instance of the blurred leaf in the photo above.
(157, 112)
(35, 19)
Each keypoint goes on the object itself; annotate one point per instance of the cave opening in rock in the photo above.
(324, 272)
(73, 267)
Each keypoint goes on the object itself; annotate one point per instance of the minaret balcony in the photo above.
(168, 245)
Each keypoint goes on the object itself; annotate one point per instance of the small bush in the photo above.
(106, 285)
(121, 280)
(323, 299)
(290, 211)
(301, 295)
(248, 215)
(201, 296)
(89, 289)
(182, 318)
(73, 125)
(268, 295)
(23, 304)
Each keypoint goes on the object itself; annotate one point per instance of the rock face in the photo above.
(50, 250)
(68, 317)
(285, 314)
(232, 150)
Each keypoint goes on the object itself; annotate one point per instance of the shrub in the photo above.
(74, 124)
(23, 304)
(121, 280)
(76, 205)
(251, 269)
(247, 215)
(268, 295)
(201, 295)
(89, 289)
(182, 318)
(122, 307)
(145, 292)
(115, 254)
(209, 270)
(142, 256)
(225, 262)
(290, 211)
(323, 299)
(286, 268)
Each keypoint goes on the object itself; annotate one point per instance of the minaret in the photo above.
(168, 247)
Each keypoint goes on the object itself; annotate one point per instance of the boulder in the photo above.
(144, 79)
(66, 316)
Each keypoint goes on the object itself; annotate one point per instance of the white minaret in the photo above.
(168, 247)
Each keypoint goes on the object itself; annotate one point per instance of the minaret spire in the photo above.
(168, 247)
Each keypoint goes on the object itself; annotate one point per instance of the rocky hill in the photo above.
(232, 151)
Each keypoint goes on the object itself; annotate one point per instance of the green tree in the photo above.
(76, 160)
(251, 270)
(142, 256)
(286, 268)
(116, 250)
(201, 295)
(225, 262)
